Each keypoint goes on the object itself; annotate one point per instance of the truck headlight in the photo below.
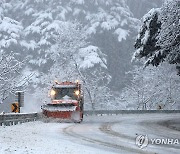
(77, 92)
(53, 92)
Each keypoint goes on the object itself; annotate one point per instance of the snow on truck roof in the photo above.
(65, 86)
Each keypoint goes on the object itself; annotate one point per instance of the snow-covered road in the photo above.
(95, 135)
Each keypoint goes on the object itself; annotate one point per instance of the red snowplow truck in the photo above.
(66, 102)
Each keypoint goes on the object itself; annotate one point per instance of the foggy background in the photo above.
(111, 26)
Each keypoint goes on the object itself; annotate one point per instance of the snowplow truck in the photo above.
(66, 102)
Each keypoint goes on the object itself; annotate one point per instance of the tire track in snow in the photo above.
(70, 132)
(107, 129)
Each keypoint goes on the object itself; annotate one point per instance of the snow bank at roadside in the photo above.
(38, 137)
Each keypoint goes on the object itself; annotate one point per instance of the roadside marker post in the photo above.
(15, 107)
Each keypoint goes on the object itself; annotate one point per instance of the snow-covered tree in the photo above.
(111, 26)
(169, 34)
(159, 36)
(153, 88)
(74, 59)
(91, 66)
(11, 79)
(10, 31)
(46, 38)
(11, 60)
(108, 25)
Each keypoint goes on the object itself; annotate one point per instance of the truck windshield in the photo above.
(64, 93)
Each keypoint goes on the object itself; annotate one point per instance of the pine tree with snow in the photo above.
(111, 26)
(10, 31)
(159, 36)
(108, 25)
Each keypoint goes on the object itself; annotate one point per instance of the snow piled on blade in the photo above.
(59, 108)
(76, 116)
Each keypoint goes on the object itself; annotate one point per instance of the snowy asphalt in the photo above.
(95, 135)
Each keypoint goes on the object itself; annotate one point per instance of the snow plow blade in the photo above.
(62, 112)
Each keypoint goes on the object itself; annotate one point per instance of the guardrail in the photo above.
(116, 112)
(13, 119)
